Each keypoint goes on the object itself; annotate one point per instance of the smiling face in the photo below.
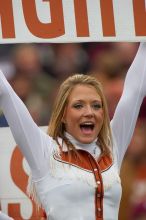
(83, 116)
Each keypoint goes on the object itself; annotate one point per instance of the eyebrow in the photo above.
(80, 100)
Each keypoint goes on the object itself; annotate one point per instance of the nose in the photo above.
(88, 111)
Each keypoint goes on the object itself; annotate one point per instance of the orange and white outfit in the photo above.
(86, 189)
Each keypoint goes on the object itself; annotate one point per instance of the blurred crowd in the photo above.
(35, 71)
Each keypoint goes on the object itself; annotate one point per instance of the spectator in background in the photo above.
(137, 153)
(133, 173)
(125, 51)
(68, 58)
(109, 70)
(38, 86)
(139, 211)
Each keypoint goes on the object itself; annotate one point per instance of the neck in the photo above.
(91, 147)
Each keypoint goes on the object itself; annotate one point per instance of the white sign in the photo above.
(72, 20)
(13, 180)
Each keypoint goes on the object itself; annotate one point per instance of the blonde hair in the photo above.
(56, 126)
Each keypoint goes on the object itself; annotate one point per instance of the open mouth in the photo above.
(87, 127)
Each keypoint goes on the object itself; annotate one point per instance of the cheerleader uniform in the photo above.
(69, 188)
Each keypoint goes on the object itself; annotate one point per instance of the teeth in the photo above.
(88, 123)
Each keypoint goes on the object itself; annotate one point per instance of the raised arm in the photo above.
(125, 117)
(29, 137)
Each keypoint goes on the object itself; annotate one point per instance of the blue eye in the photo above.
(78, 106)
(97, 106)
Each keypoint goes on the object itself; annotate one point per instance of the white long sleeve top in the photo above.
(68, 192)
(4, 216)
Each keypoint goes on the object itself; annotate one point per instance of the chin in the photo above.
(87, 140)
